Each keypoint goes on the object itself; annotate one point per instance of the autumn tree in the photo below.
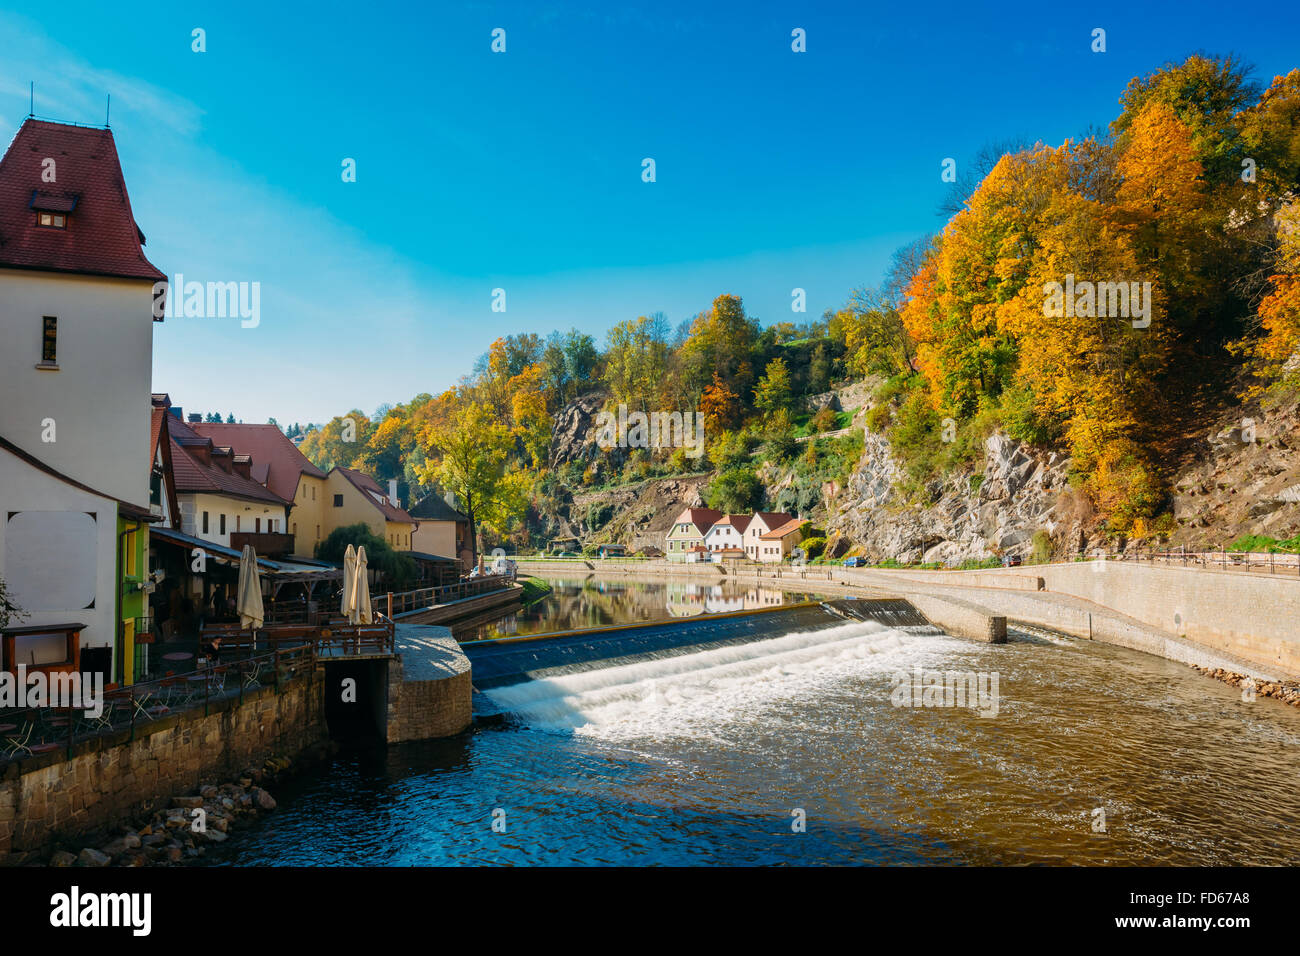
(469, 457)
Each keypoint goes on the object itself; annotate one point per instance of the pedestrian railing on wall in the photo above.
(1260, 562)
(28, 731)
(400, 602)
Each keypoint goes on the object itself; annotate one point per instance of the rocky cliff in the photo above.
(973, 516)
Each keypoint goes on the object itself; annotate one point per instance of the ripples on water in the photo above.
(702, 758)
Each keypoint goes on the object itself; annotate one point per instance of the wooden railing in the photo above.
(331, 638)
(402, 601)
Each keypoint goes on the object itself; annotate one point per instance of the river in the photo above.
(792, 751)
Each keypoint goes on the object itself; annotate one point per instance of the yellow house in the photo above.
(443, 531)
(354, 498)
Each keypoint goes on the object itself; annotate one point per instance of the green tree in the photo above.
(737, 491)
(772, 393)
(398, 570)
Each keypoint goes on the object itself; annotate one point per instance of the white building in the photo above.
(76, 345)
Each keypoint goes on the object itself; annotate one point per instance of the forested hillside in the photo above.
(1102, 304)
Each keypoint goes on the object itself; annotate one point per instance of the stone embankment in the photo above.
(192, 823)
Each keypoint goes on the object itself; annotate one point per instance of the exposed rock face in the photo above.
(825, 400)
(1017, 496)
(1246, 480)
(574, 435)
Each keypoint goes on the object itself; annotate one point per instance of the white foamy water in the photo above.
(689, 694)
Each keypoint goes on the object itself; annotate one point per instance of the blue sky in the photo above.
(522, 170)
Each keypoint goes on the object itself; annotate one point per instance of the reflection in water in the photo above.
(593, 602)
(701, 758)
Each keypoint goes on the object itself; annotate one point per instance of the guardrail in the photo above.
(1267, 562)
(423, 598)
(28, 731)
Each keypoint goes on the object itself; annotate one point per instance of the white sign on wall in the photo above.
(50, 559)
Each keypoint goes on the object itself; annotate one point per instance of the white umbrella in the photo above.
(349, 580)
(361, 591)
(249, 600)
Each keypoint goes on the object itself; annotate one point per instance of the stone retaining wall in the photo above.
(429, 691)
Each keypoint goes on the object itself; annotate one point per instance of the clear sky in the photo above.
(523, 170)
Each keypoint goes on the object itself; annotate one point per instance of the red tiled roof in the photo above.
(788, 528)
(369, 488)
(192, 475)
(272, 453)
(773, 519)
(739, 522)
(702, 518)
(101, 236)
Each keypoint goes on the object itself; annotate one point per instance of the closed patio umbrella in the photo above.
(249, 596)
(349, 580)
(361, 591)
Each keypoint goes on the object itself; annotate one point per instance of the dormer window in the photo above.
(52, 210)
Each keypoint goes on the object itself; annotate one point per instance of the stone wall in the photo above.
(110, 779)
(1253, 616)
(429, 685)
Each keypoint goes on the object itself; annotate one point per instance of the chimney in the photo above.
(392, 492)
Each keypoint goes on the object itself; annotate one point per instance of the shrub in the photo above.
(813, 547)
(598, 514)
(878, 419)
(1042, 544)
(824, 421)
(398, 570)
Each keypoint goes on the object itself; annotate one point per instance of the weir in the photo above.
(501, 662)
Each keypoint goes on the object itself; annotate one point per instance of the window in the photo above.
(295, 527)
(257, 525)
(313, 494)
(205, 524)
(237, 517)
(49, 340)
(318, 532)
(51, 220)
(221, 524)
(338, 501)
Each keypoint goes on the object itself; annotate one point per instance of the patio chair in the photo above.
(18, 743)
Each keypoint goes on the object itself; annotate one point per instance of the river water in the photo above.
(792, 751)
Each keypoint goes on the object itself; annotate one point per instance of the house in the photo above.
(220, 500)
(688, 532)
(775, 546)
(354, 498)
(76, 355)
(442, 531)
(286, 471)
(727, 534)
(763, 522)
